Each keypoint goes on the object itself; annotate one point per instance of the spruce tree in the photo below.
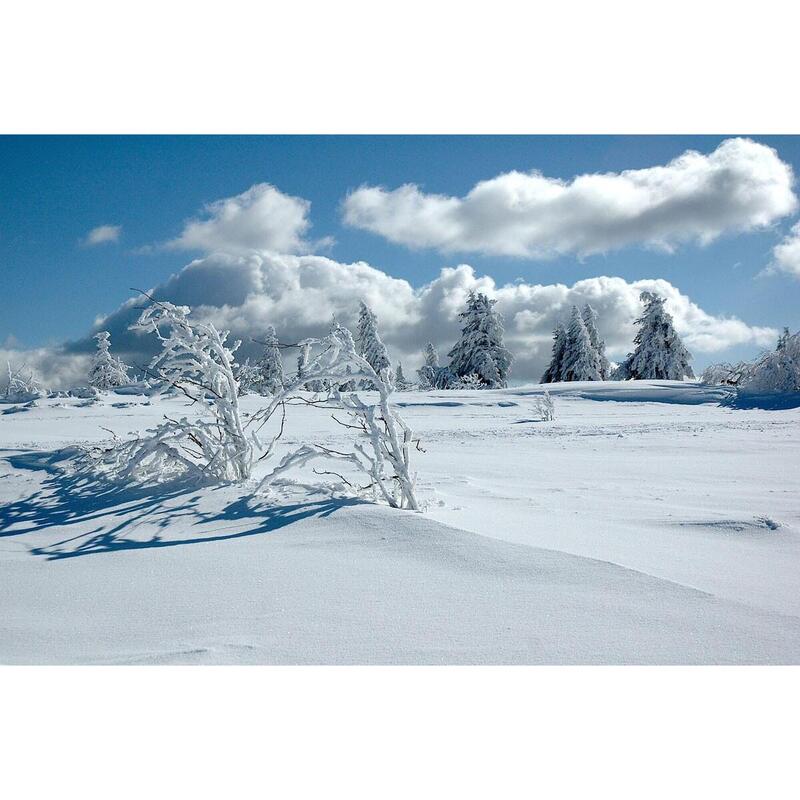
(107, 371)
(270, 365)
(556, 367)
(369, 343)
(590, 320)
(659, 353)
(480, 350)
(428, 371)
(581, 362)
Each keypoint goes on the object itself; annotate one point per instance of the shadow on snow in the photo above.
(70, 499)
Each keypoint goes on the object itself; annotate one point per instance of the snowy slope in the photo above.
(646, 530)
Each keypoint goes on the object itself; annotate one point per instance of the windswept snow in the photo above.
(654, 527)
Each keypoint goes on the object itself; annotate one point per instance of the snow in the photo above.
(646, 524)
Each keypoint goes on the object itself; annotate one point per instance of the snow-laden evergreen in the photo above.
(369, 343)
(556, 366)
(107, 371)
(427, 373)
(581, 361)
(590, 320)
(480, 350)
(659, 353)
(270, 366)
(400, 382)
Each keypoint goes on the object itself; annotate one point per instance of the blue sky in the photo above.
(54, 190)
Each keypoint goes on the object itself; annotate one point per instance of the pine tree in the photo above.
(270, 365)
(369, 343)
(480, 350)
(659, 353)
(782, 339)
(581, 362)
(556, 367)
(107, 371)
(590, 320)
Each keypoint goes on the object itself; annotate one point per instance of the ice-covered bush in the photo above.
(777, 372)
(21, 385)
(195, 360)
(381, 448)
(469, 382)
(545, 407)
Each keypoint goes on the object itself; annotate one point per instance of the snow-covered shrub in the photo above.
(480, 350)
(21, 385)
(107, 371)
(659, 353)
(382, 445)
(777, 372)
(195, 361)
(545, 407)
(469, 382)
(725, 374)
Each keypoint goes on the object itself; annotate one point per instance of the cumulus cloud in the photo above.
(740, 186)
(298, 295)
(53, 367)
(786, 255)
(102, 234)
(261, 218)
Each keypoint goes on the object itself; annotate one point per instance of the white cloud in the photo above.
(742, 185)
(102, 234)
(786, 255)
(262, 218)
(298, 294)
(52, 367)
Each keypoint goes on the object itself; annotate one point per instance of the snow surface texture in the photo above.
(655, 526)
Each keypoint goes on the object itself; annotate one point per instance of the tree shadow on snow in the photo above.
(67, 499)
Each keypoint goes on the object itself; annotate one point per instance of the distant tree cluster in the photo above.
(579, 354)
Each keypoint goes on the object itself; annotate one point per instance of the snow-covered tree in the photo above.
(382, 445)
(555, 368)
(427, 372)
(777, 372)
(400, 382)
(195, 360)
(581, 361)
(480, 350)
(247, 376)
(270, 366)
(545, 407)
(659, 353)
(107, 371)
(590, 320)
(369, 343)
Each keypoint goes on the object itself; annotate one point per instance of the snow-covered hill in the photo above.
(652, 527)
